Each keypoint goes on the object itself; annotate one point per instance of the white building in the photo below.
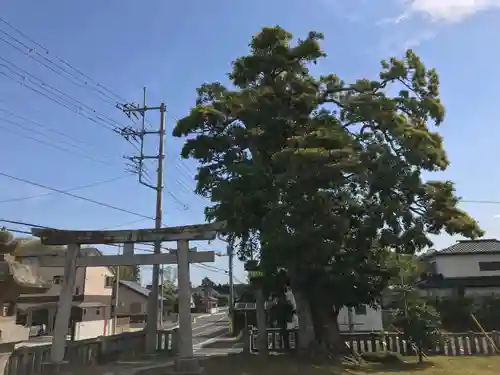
(469, 267)
(362, 319)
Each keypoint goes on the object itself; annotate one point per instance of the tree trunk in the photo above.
(306, 327)
(261, 322)
(326, 328)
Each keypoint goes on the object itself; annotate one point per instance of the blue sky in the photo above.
(172, 47)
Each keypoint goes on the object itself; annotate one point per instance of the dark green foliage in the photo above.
(207, 283)
(420, 324)
(456, 312)
(322, 177)
(169, 292)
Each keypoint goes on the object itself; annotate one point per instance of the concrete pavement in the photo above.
(209, 328)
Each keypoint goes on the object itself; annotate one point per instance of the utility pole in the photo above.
(137, 165)
(117, 288)
(162, 282)
(230, 253)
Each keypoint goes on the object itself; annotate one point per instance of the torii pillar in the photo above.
(185, 362)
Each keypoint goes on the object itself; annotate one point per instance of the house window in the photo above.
(77, 291)
(108, 282)
(360, 310)
(489, 266)
(57, 280)
(98, 311)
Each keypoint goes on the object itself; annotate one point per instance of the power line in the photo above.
(99, 88)
(76, 196)
(67, 190)
(48, 128)
(50, 89)
(49, 144)
(39, 89)
(480, 202)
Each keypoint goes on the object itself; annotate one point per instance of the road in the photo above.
(209, 328)
(211, 336)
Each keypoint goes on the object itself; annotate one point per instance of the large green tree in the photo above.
(321, 177)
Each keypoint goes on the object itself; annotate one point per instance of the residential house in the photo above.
(92, 296)
(469, 267)
(205, 299)
(132, 302)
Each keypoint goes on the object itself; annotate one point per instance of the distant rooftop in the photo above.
(136, 287)
(479, 246)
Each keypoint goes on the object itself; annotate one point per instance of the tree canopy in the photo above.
(206, 282)
(321, 177)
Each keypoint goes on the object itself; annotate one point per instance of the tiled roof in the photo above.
(482, 246)
(136, 287)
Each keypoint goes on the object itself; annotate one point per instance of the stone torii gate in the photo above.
(185, 361)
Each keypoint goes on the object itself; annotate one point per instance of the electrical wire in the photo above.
(68, 190)
(34, 53)
(49, 144)
(50, 89)
(76, 196)
(480, 201)
(48, 128)
(70, 106)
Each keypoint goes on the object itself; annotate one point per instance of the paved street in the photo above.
(210, 336)
(209, 328)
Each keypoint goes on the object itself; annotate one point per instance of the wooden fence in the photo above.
(450, 344)
(27, 360)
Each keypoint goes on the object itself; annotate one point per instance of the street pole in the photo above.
(138, 167)
(117, 286)
(152, 322)
(230, 253)
(162, 282)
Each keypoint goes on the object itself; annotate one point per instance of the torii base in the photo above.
(186, 366)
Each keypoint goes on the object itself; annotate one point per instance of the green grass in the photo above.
(285, 365)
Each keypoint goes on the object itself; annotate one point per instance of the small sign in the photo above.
(255, 274)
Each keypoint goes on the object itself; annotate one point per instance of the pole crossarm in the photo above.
(93, 237)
